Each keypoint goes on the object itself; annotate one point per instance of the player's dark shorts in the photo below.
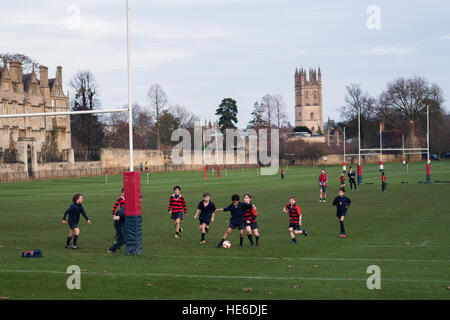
(177, 215)
(73, 225)
(294, 226)
(236, 224)
(341, 214)
(205, 221)
(252, 225)
(324, 189)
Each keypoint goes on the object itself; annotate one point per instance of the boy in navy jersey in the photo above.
(74, 211)
(237, 210)
(177, 205)
(207, 209)
(295, 218)
(250, 220)
(342, 203)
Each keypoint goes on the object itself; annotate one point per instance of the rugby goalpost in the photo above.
(375, 151)
(132, 185)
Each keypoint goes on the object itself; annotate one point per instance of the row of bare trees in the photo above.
(401, 106)
(269, 113)
(153, 122)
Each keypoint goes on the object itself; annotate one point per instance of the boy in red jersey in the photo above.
(250, 220)
(383, 182)
(177, 205)
(295, 218)
(342, 178)
(323, 181)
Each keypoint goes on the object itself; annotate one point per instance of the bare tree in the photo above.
(158, 101)
(267, 106)
(27, 62)
(408, 98)
(280, 110)
(358, 100)
(186, 118)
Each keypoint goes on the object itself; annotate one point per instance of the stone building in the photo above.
(30, 139)
(308, 100)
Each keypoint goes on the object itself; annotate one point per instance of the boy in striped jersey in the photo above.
(295, 218)
(250, 220)
(120, 202)
(177, 205)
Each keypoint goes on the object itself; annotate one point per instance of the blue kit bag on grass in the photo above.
(32, 254)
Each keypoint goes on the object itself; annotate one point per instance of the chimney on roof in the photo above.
(43, 76)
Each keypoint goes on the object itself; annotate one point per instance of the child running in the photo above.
(207, 209)
(237, 210)
(342, 178)
(295, 218)
(177, 205)
(250, 220)
(342, 203)
(74, 212)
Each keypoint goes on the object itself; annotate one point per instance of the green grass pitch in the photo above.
(404, 231)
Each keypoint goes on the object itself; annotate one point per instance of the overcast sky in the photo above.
(202, 51)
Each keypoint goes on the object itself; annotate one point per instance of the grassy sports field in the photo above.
(404, 231)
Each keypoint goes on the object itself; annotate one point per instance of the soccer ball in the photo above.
(226, 244)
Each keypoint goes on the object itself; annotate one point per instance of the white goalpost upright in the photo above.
(131, 179)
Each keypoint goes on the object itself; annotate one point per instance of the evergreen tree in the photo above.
(227, 112)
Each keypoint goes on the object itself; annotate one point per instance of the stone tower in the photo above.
(308, 99)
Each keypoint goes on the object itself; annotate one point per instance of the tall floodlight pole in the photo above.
(130, 106)
(344, 144)
(359, 173)
(428, 134)
(428, 147)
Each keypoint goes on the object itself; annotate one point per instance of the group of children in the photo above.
(243, 216)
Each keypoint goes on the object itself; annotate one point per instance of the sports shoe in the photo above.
(177, 236)
(68, 246)
(181, 230)
(207, 229)
(320, 201)
(203, 241)
(305, 233)
(75, 247)
(324, 201)
(219, 245)
(110, 252)
(293, 242)
(342, 236)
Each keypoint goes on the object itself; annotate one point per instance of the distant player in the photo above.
(295, 219)
(342, 203)
(250, 220)
(74, 212)
(351, 178)
(177, 205)
(323, 181)
(342, 180)
(237, 210)
(119, 223)
(119, 204)
(383, 182)
(282, 173)
(146, 166)
(141, 166)
(207, 209)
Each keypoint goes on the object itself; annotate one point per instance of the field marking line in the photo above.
(286, 258)
(175, 275)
